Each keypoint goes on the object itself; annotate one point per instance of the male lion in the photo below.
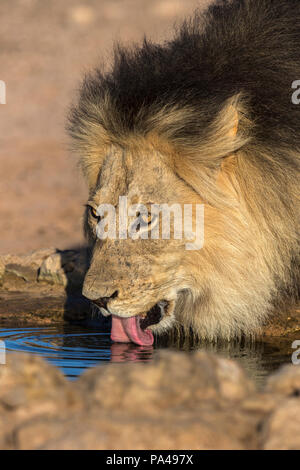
(206, 119)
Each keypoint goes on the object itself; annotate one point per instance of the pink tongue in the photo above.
(124, 330)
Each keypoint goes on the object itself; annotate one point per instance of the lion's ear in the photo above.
(199, 163)
(202, 143)
(235, 122)
(224, 135)
(229, 131)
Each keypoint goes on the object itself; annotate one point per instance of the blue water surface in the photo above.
(75, 348)
(72, 348)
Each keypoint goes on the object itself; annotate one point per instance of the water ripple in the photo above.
(71, 348)
(76, 348)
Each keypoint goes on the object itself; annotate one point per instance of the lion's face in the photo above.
(139, 275)
(179, 124)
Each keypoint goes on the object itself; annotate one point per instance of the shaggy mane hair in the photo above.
(239, 56)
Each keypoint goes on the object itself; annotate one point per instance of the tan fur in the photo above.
(227, 288)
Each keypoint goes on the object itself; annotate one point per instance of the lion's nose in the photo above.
(103, 301)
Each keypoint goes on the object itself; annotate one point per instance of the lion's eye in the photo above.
(144, 220)
(94, 213)
(147, 219)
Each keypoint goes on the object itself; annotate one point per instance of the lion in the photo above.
(205, 119)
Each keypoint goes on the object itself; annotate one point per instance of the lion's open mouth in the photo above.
(125, 330)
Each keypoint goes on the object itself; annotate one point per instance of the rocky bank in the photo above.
(179, 401)
(43, 287)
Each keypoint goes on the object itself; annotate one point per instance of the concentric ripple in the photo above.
(71, 348)
(76, 348)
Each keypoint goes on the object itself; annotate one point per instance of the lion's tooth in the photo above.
(162, 305)
(104, 312)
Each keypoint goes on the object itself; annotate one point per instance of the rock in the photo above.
(159, 384)
(179, 401)
(51, 270)
(64, 268)
(31, 388)
(260, 403)
(281, 431)
(28, 380)
(285, 382)
(45, 307)
(104, 431)
(43, 286)
(35, 432)
(33, 258)
(15, 270)
(27, 273)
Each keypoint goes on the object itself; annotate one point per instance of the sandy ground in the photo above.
(45, 48)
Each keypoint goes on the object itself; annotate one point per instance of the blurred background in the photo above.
(46, 46)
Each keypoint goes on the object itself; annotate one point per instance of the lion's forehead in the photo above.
(140, 177)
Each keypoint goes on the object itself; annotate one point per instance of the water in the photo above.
(76, 348)
(71, 348)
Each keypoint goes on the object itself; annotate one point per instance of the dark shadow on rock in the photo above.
(78, 309)
(74, 263)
